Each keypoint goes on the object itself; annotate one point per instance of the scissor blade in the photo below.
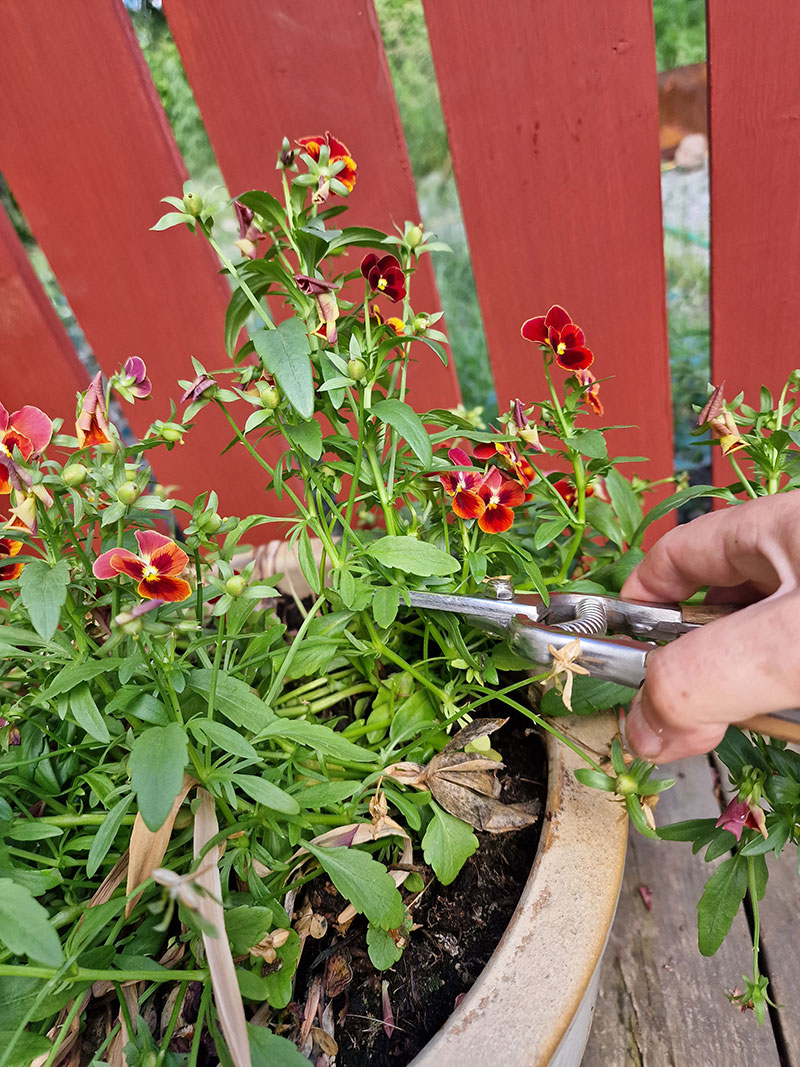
(486, 614)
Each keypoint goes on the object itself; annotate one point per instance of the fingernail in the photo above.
(642, 738)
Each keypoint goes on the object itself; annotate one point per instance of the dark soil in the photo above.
(456, 930)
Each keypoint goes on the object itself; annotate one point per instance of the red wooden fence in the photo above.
(551, 111)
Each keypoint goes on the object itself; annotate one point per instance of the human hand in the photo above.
(744, 664)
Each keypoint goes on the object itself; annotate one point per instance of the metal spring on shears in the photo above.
(590, 618)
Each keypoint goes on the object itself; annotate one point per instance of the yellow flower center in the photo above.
(382, 284)
(149, 571)
(4, 450)
(494, 500)
(562, 348)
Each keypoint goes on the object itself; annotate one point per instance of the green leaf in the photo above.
(548, 531)
(722, 896)
(307, 436)
(601, 515)
(678, 500)
(266, 205)
(272, 1050)
(447, 845)
(402, 418)
(266, 793)
(223, 737)
(382, 947)
(173, 218)
(589, 695)
(412, 556)
(157, 762)
(86, 713)
(279, 983)
(595, 779)
(308, 565)
(625, 503)
(284, 352)
(104, 838)
(232, 698)
(44, 590)
(25, 925)
(326, 794)
(364, 882)
(149, 709)
(319, 737)
(591, 443)
(75, 673)
(357, 235)
(27, 1047)
(385, 602)
(246, 926)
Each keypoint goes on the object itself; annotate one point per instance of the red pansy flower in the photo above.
(568, 493)
(499, 497)
(592, 394)
(741, 813)
(28, 430)
(338, 152)
(564, 339)
(156, 569)
(384, 275)
(8, 549)
(394, 324)
(91, 426)
(510, 455)
(463, 486)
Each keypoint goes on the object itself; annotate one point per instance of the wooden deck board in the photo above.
(661, 1003)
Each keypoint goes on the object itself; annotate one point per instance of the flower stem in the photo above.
(377, 473)
(748, 488)
(248, 292)
(753, 891)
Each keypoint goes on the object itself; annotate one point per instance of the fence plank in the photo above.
(87, 152)
(555, 149)
(40, 364)
(354, 99)
(754, 102)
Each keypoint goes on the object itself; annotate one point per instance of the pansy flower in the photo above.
(565, 340)
(132, 382)
(567, 491)
(741, 813)
(592, 394)
(510, 456)
(463, 486)
(338, 153)
(91, 425)
(499, 496)
(156, 569)
(29, 430)
(395, 324)
(9, 549)
(384, 275)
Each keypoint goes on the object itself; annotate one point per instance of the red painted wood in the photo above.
(264, 71)
(754, 102)
(39, 364)
(87, 152)
(552, 115)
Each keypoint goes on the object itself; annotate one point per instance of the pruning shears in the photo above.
(616, 636)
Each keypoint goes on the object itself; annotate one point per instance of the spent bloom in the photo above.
(156, 569)
(557, 332)
(384, 275)
(741, 813)
(720, 421)
(249, 233)
(132, 383)
(592, 394)
(29, 431)
(327, 307)
(91, 425)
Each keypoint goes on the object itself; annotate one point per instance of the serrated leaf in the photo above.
(43, 590)
(232, 698)
(246, 925)
(258, 418)
(591, 443)
(383, 950)
(264, 204)
(266, 793)
(306, 436)
(447, 845)
(412, 556)
(721, 899)
(284, 353)
(364, 882)
(385, 604)
(75, 673)
(156, 762)
(402, 418)
(25, 926)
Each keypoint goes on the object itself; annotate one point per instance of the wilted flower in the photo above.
(338, 153)
(133, 383)
(510, 456)
(463, 486)
(28, 430)
(524, 428)
(721, 422)
(327, 307)
(136, 611)
(564, 339)
(499, 497)
(384, 275)
(249, 233)
(592, 394)
(92, 425)
(741, 813)
(156, 570)
(196, 388)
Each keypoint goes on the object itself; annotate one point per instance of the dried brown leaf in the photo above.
(148, 848)
(218, 951)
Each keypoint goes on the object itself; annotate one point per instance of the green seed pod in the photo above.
(171, 431)
(625, 785)
(271, 397)
(414, 236)
(356, 369)
(74, 474)
(211, 523)
(128, 493)
(236, 585)
(193, 204)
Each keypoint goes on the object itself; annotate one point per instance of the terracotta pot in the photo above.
(534, 1001)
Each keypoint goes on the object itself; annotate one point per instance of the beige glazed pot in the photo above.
(533, 1004)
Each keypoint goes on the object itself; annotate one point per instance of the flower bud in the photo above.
(356, 369)
(193, 204)
(211, 522)
(414, 236)
(421, 323)
(74, 474)
(171, 431)
(236, 585)
(270, 397)
(128, 493)
(110, 448)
